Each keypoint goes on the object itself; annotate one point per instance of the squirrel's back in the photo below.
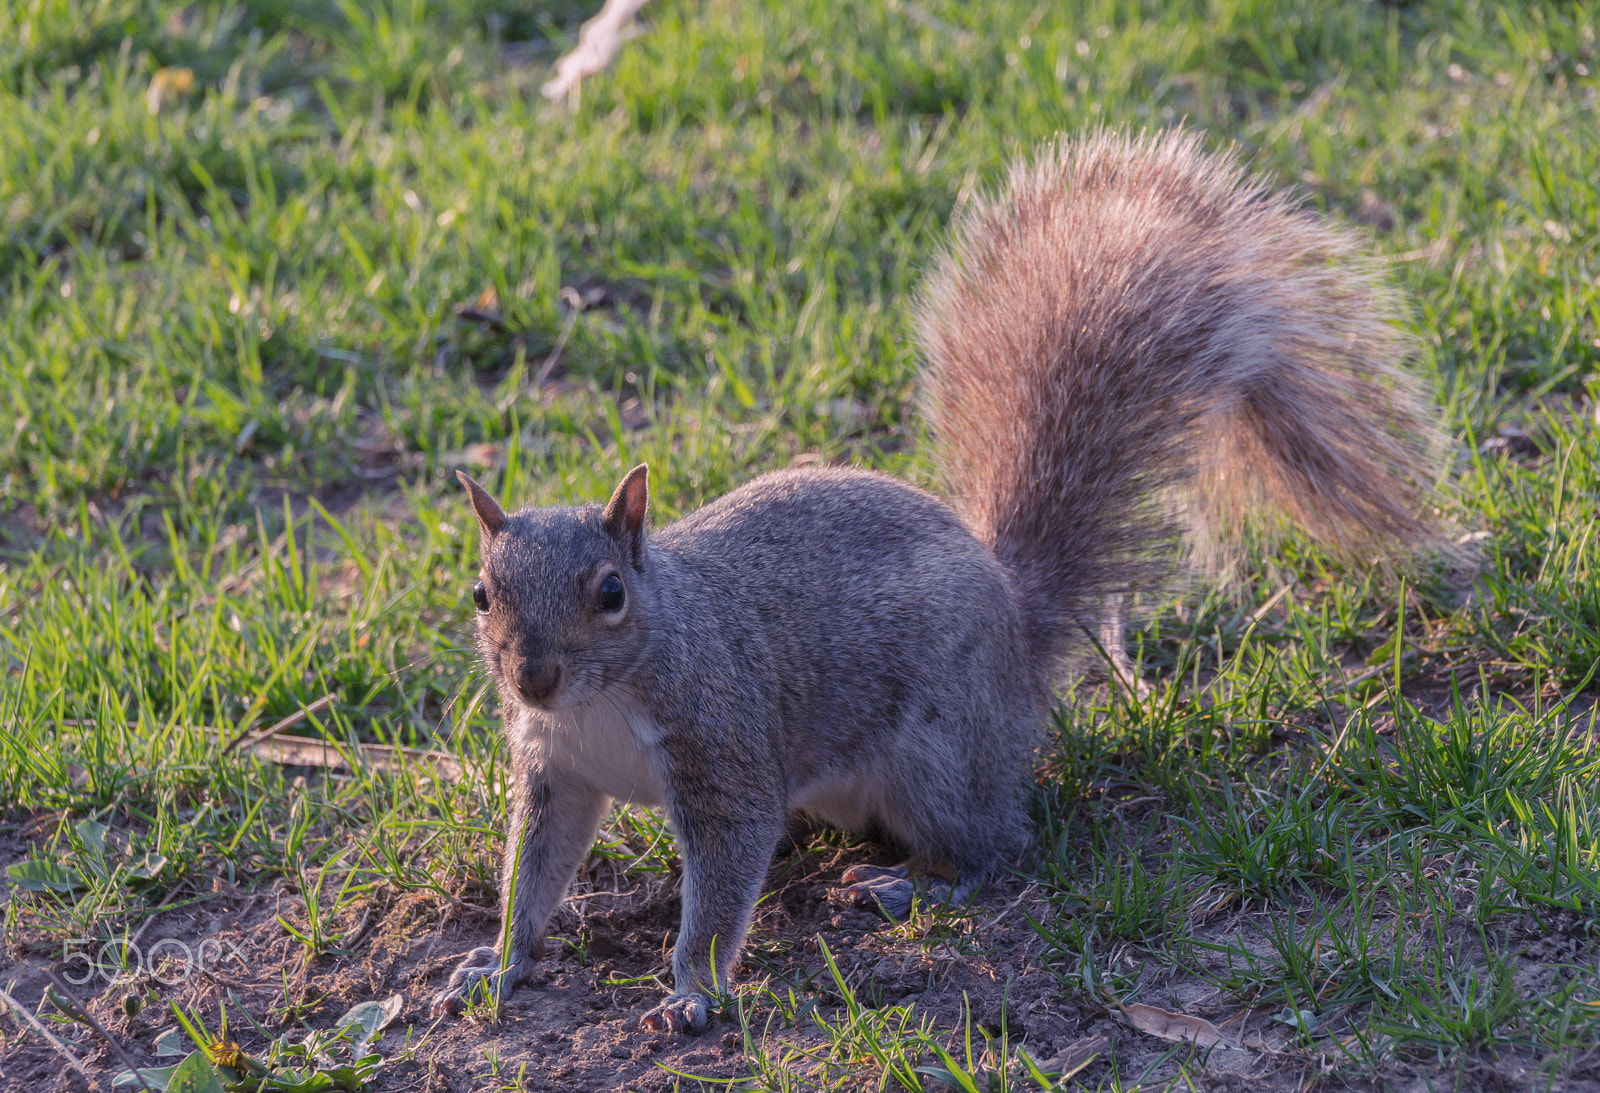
(883, 639)
(851, 589)
(1132, 336)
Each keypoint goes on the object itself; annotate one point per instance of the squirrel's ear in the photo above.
(490, 516)
(625, 511)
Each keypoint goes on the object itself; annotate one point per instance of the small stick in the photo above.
(1012, 906)
(33, 1022)
(575, 304)
(579, 897)
(224, 981)
(932, 22)
(145, 925)
(1374, 673)
(88, 1018)
(1261, 612)
(250, 734)
(48, 577)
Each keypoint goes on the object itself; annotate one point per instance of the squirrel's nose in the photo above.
(539, 681)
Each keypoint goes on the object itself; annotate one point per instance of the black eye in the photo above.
(480, 597)
(611, 595)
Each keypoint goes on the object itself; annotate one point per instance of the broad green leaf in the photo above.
(355, 1076)
(156, 1078)
(301, 1081)
(172, 1042)
(39, 875)
(195, 1075)
(368, 1019)
(148, 867)
(93, 834)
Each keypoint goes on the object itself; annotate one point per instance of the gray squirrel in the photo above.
(1129, 343)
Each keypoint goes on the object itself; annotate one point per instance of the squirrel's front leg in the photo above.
(727, 840)
(553, 822)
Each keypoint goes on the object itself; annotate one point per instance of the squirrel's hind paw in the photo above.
(892, 891)
(862, 874)
(886, 891)
(677, 1013)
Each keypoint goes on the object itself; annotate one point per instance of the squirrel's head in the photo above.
(563, 596)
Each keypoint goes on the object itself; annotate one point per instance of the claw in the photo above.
(861, 874)
(678, 1012)
(890, 891)
(478, 976)
(889, 896)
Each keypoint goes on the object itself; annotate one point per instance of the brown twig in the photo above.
(331, 755)
(162, 906)
(580, 897)
(353, 939)
(48, 577)
(293, 719)
(224, 981)
(575, 305)
(481, 315)
(1373, 673)
(33, 1022)
(79, 1011)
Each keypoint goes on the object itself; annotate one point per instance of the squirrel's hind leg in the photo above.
(1110, 660)
(965, 821)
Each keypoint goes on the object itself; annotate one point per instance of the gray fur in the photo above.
(1130, 322)
(840, 644)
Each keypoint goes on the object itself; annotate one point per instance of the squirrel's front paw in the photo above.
(678, 1012)
(479, 978)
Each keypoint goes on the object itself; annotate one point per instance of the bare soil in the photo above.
(576, 1028)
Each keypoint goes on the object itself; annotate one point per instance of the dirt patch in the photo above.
(576, 1027)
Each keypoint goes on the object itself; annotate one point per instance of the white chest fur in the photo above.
(610, 743)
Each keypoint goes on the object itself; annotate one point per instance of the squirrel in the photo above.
(1131, 341)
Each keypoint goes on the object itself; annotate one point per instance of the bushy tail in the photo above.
(1133, 336)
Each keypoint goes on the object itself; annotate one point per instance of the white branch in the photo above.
(598, 43)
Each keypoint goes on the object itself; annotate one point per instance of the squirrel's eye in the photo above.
(611, 594)
(480, 597)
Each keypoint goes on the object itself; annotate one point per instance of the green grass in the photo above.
(234, 244)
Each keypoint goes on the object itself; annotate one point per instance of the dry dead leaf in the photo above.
(1075, 1056)
(167, 84)
(302, 751)
(1179, 1028)
(483, 455)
